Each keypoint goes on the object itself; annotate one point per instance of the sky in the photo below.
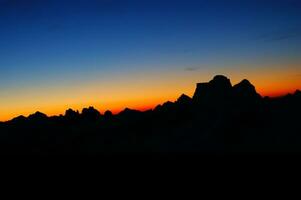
(112, 54)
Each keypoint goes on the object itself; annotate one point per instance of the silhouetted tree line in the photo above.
(219, 118)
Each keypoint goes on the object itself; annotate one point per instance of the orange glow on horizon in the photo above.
(140, 91)
(60, 110)
(275, 94)
(55, 111)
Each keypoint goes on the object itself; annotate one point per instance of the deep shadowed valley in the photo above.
(220, 118)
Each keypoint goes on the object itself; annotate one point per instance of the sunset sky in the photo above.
(112, 54)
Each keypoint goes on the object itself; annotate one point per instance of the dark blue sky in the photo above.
(52, 43)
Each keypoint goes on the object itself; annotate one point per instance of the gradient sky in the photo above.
(56, 54)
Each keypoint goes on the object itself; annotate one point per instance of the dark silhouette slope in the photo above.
(220, 118)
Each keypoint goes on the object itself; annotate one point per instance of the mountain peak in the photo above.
(218, 88)
(128, 111)
(18, 119)
(220, 78)
(71, 113)
(183, 99)
(244, 85)
(246, 90)
(246, 82)
(90, 113)
(221, 82)
(37, 116)
(108, 114)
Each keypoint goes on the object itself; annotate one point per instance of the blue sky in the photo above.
(51, 43)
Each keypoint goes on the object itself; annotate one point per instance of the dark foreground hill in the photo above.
(220, 118)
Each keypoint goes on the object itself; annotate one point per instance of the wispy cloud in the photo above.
(281, 35)
(191, 68)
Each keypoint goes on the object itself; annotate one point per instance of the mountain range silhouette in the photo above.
(218, 119)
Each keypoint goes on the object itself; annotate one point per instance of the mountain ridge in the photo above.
(219, 85)
(220, 118)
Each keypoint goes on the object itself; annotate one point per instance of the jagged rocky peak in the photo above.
(245, 89)
(164, 107)
(183, 99)
(71, 113)
(91, 112)
(127, 111)
(90, 109)
(18, 119)
(244, 84)
(37, 116)
(219, 87)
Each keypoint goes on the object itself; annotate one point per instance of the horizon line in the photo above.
(139, 108)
